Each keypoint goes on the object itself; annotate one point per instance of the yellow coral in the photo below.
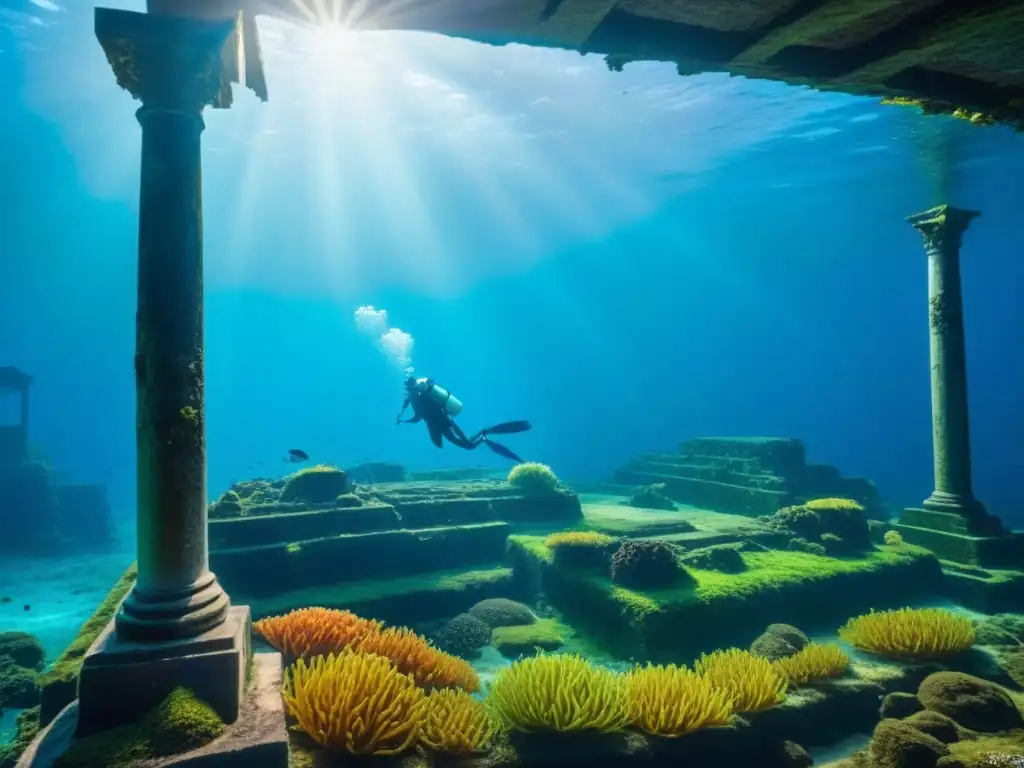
(413, 655)
(818, 505)
(751, 682)
(910, 632)
(533, 477)
(456, 723)
(813, 662)
(355, 702)
(309, 632)
(578, 539)
(672, 701)
(892, 538)
(559, 692)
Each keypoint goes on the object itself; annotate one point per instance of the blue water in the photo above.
(626, 259)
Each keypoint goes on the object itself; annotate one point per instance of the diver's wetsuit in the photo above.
(441, 425)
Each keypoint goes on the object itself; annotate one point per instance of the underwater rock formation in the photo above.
(746, 476)
(647, 564)
(831, 526)
(778, 641)
(972, 702)
(650, 497)
(373, 472)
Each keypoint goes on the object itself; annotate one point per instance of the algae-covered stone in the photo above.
(648, 564)
(896, 744)
(316, 485)
(650, 497)
(972, 702)
(179, 724)
(502, 612)
(19, 686)
(1001, 629)
(899, 705)
(726, 558)
(935, 724)
(515, 641)
(23, 649)
(778, 641)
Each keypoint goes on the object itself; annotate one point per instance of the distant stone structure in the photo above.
(750, 476)
(37, 516)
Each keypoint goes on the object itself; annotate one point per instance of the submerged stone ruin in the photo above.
(39, 515)
(745, 476)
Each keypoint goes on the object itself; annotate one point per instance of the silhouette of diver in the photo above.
(436, 406)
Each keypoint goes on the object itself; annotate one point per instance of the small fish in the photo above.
(295, 456)
(27, 607)
(5, 599)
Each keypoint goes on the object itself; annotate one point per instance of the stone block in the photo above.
(258, 738)
(1002, 550)
(119, 679)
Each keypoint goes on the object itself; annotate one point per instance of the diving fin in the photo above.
(501, 450)
(507, 428)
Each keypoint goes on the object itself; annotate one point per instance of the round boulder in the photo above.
(970, 701)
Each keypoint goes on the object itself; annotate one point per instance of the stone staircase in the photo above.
(411, 552)
(750, 476)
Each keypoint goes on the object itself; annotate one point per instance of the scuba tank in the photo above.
(451, 404)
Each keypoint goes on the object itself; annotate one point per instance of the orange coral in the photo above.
(309, 632)
(412, 655)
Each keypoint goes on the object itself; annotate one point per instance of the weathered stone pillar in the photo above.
(951, 522)
(942, 229)
(175, 71)
(176, 627)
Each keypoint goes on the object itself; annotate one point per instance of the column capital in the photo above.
(167, 62)
(942, 226)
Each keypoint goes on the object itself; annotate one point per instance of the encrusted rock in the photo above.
(972, 702)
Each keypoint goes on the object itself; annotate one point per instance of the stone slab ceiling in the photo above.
(955, 53)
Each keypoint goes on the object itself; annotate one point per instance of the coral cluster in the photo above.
(501, 612)
(673, 701)
(647, 564)
(812, 663)
(824, 526)
(751, 682)
(910, 633)
(463, 636)
(533, 478)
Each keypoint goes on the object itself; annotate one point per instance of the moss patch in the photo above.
(179, 724)
(810, 591)
(60, 683)
(543, 634)
(422, 597)
(27, 729)
(974, 753)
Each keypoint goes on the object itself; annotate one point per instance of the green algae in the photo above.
(543, 634)
(179, 724)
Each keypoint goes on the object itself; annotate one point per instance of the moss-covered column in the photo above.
(174, 67)
(942, 229)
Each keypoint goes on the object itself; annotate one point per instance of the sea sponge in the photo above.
(501, 612)
(892, 538)
(812, 663)
(752, 683)
(672, 701)
(319, 484)
(778, 641)
(413, 655)
(533, 478)
(648, 564)
(910, 633)
(581, 549)
(463, 636)
(308, 632)
(456, 723)
(559, 692)
(970, 701)
(355, 702)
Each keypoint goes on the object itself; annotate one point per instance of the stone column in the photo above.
(942, 229)
(174, 67)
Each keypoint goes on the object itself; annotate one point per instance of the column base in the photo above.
(162, 616)
(954, 504)
(257, 739)
(980, 540)
(120, 679)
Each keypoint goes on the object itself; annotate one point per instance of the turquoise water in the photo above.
(625, 259)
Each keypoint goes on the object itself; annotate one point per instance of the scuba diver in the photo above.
(436, 406)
